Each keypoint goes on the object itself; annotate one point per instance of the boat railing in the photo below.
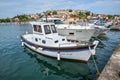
(83, 24)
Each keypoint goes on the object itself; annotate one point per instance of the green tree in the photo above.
(7, 20)
(70, 10)
(40, 16)
(54, 13)
(4, 20)
(87, 13)
(22, 18)
(111, 16)
(81, 15)
(48, 13)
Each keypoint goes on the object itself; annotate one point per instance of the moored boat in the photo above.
(72, 31)
(101, 26)
(116, 25)
(46, 41)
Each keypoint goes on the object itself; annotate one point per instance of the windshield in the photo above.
(53, 29)
(58, 22)
(93, 20)
(100, 23)
(47, 29)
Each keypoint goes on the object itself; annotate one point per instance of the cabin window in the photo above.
(56, 41)
(36, 39)
(63, 39)
(71, 33)
(51, 21)
(53, 29)
(44, 20)
(43, 41)
(37, 28)
(47, 29)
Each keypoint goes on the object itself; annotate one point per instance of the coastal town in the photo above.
(68, 15)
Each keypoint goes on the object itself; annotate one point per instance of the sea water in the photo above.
(20, 63)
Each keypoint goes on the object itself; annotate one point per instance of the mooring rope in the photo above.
(98, 72)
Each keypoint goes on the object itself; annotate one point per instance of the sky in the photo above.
(11, 8)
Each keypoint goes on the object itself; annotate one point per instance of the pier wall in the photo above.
(112, 69)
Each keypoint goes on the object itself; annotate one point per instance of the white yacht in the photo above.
(46, 41)
(101, 26)
(73, 32)
(76, 32)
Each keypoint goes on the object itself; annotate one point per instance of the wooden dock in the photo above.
(112, 68)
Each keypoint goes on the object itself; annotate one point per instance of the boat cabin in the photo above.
(43, 28)
(46, 34)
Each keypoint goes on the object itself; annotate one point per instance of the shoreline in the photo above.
(14, 23)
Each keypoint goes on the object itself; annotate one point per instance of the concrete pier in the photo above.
(112, 68)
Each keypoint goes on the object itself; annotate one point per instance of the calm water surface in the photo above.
(18, 63)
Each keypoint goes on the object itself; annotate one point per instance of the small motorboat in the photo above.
(46, 41)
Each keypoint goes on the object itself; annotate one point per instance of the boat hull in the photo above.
(116, 27)
(100, 31)
(78, 55)
(77, 34)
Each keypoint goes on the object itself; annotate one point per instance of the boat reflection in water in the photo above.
(63, 68)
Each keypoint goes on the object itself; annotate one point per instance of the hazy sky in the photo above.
(10, 8)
